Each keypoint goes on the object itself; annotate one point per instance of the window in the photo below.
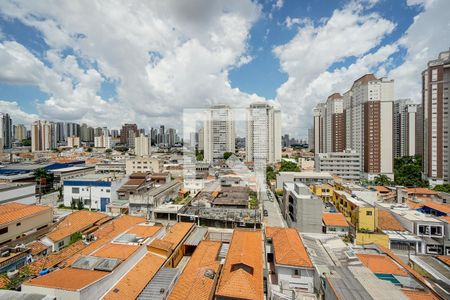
(4, 230)
(18, 224)
(75, 190)
(368, 213)
(60, 244)
(296, 273)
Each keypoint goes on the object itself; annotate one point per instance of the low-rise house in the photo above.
(20, 220)
(242, 274)
(71, 228)
(199, 277)
(291, 267)
(138, 183)
(303, 177)
(435, 209)
(335, 223)
(416, 194)
(95, 191)
(143, 164)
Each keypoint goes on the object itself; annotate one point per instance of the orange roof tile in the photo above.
(132, 284)
(144, 231)
(442, 207)
(193, 284)
(13, 212)
(75, 222)
(177, 233)
(37, 247)
(288, 248)
(423, 191)
(445, 218)
(106, 233)
(445, 259)
(120, 251)
(68, 279)
(413, 205)
(242, 273)
(379, 188)
(334, 219)
(160, 244)
(419, 295)
(386, 221)
(378, 263)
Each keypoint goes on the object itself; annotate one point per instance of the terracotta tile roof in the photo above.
(445, 208)
(193, 284)
(379, 263)
(242, 273)
(68, 279)
(177, 232)
(445, 259)
(386, 221)
(423, 191)
(379, 188)
(120, 251)
(12, 212)
(288, 248)
(414, 205)
(37, 247)
(445, 218)
(419, 295)
(56, 258)
(160, 244)
(132, 284)
(144, 231)
(334, 219)
(106, 233)
(75, 222)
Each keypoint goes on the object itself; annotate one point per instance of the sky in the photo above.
(106, 63)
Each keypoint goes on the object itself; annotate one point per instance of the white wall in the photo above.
(24, 194)
(304, 281)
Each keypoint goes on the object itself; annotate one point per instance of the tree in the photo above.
(73, 205)
(26, 142)
(407, 171)
(382, 180)
(80, 205)
(108, 151)
(199, 154)
(270, 173)
(227, 155)
(288, 166)
(442, 188)
(253, 202)
(42, 178)
(89, 149)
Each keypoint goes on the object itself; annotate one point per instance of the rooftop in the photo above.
(288, 247)
(381, 264)
(12, 212)
(144, 231)
(386, 221)
(75, 222)
(242, 273)
(37, 247)
(132, 284)
(118, 251)
(422, 191)
(67, 279)
(444, 208)
(334, 219)
(418, 295)
(198, 278)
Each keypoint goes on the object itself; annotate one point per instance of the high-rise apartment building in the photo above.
(60, 133)
(142, 145)
(360, 120)
(263, 142)
(6, 137)
(43, 136)
(345, 164)
(73, 141)
(72, 129)
(404, 122)
(20, 132)
(368, 109)
(311, 139)
(201, 139)
(128, 130)
(436, 135)
(419, 130)
(219, 135)
(102, 141)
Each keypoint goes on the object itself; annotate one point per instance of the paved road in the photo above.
(275, 218)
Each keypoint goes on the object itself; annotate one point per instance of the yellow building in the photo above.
(322, 190)
(360, 214)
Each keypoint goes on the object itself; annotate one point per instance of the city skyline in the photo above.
(62, 78)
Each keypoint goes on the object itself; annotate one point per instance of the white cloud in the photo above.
(424, 39)
(349, 32)
(163, 55)
(13, 109)
(278, 4)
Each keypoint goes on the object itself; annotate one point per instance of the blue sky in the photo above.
(92, 62)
